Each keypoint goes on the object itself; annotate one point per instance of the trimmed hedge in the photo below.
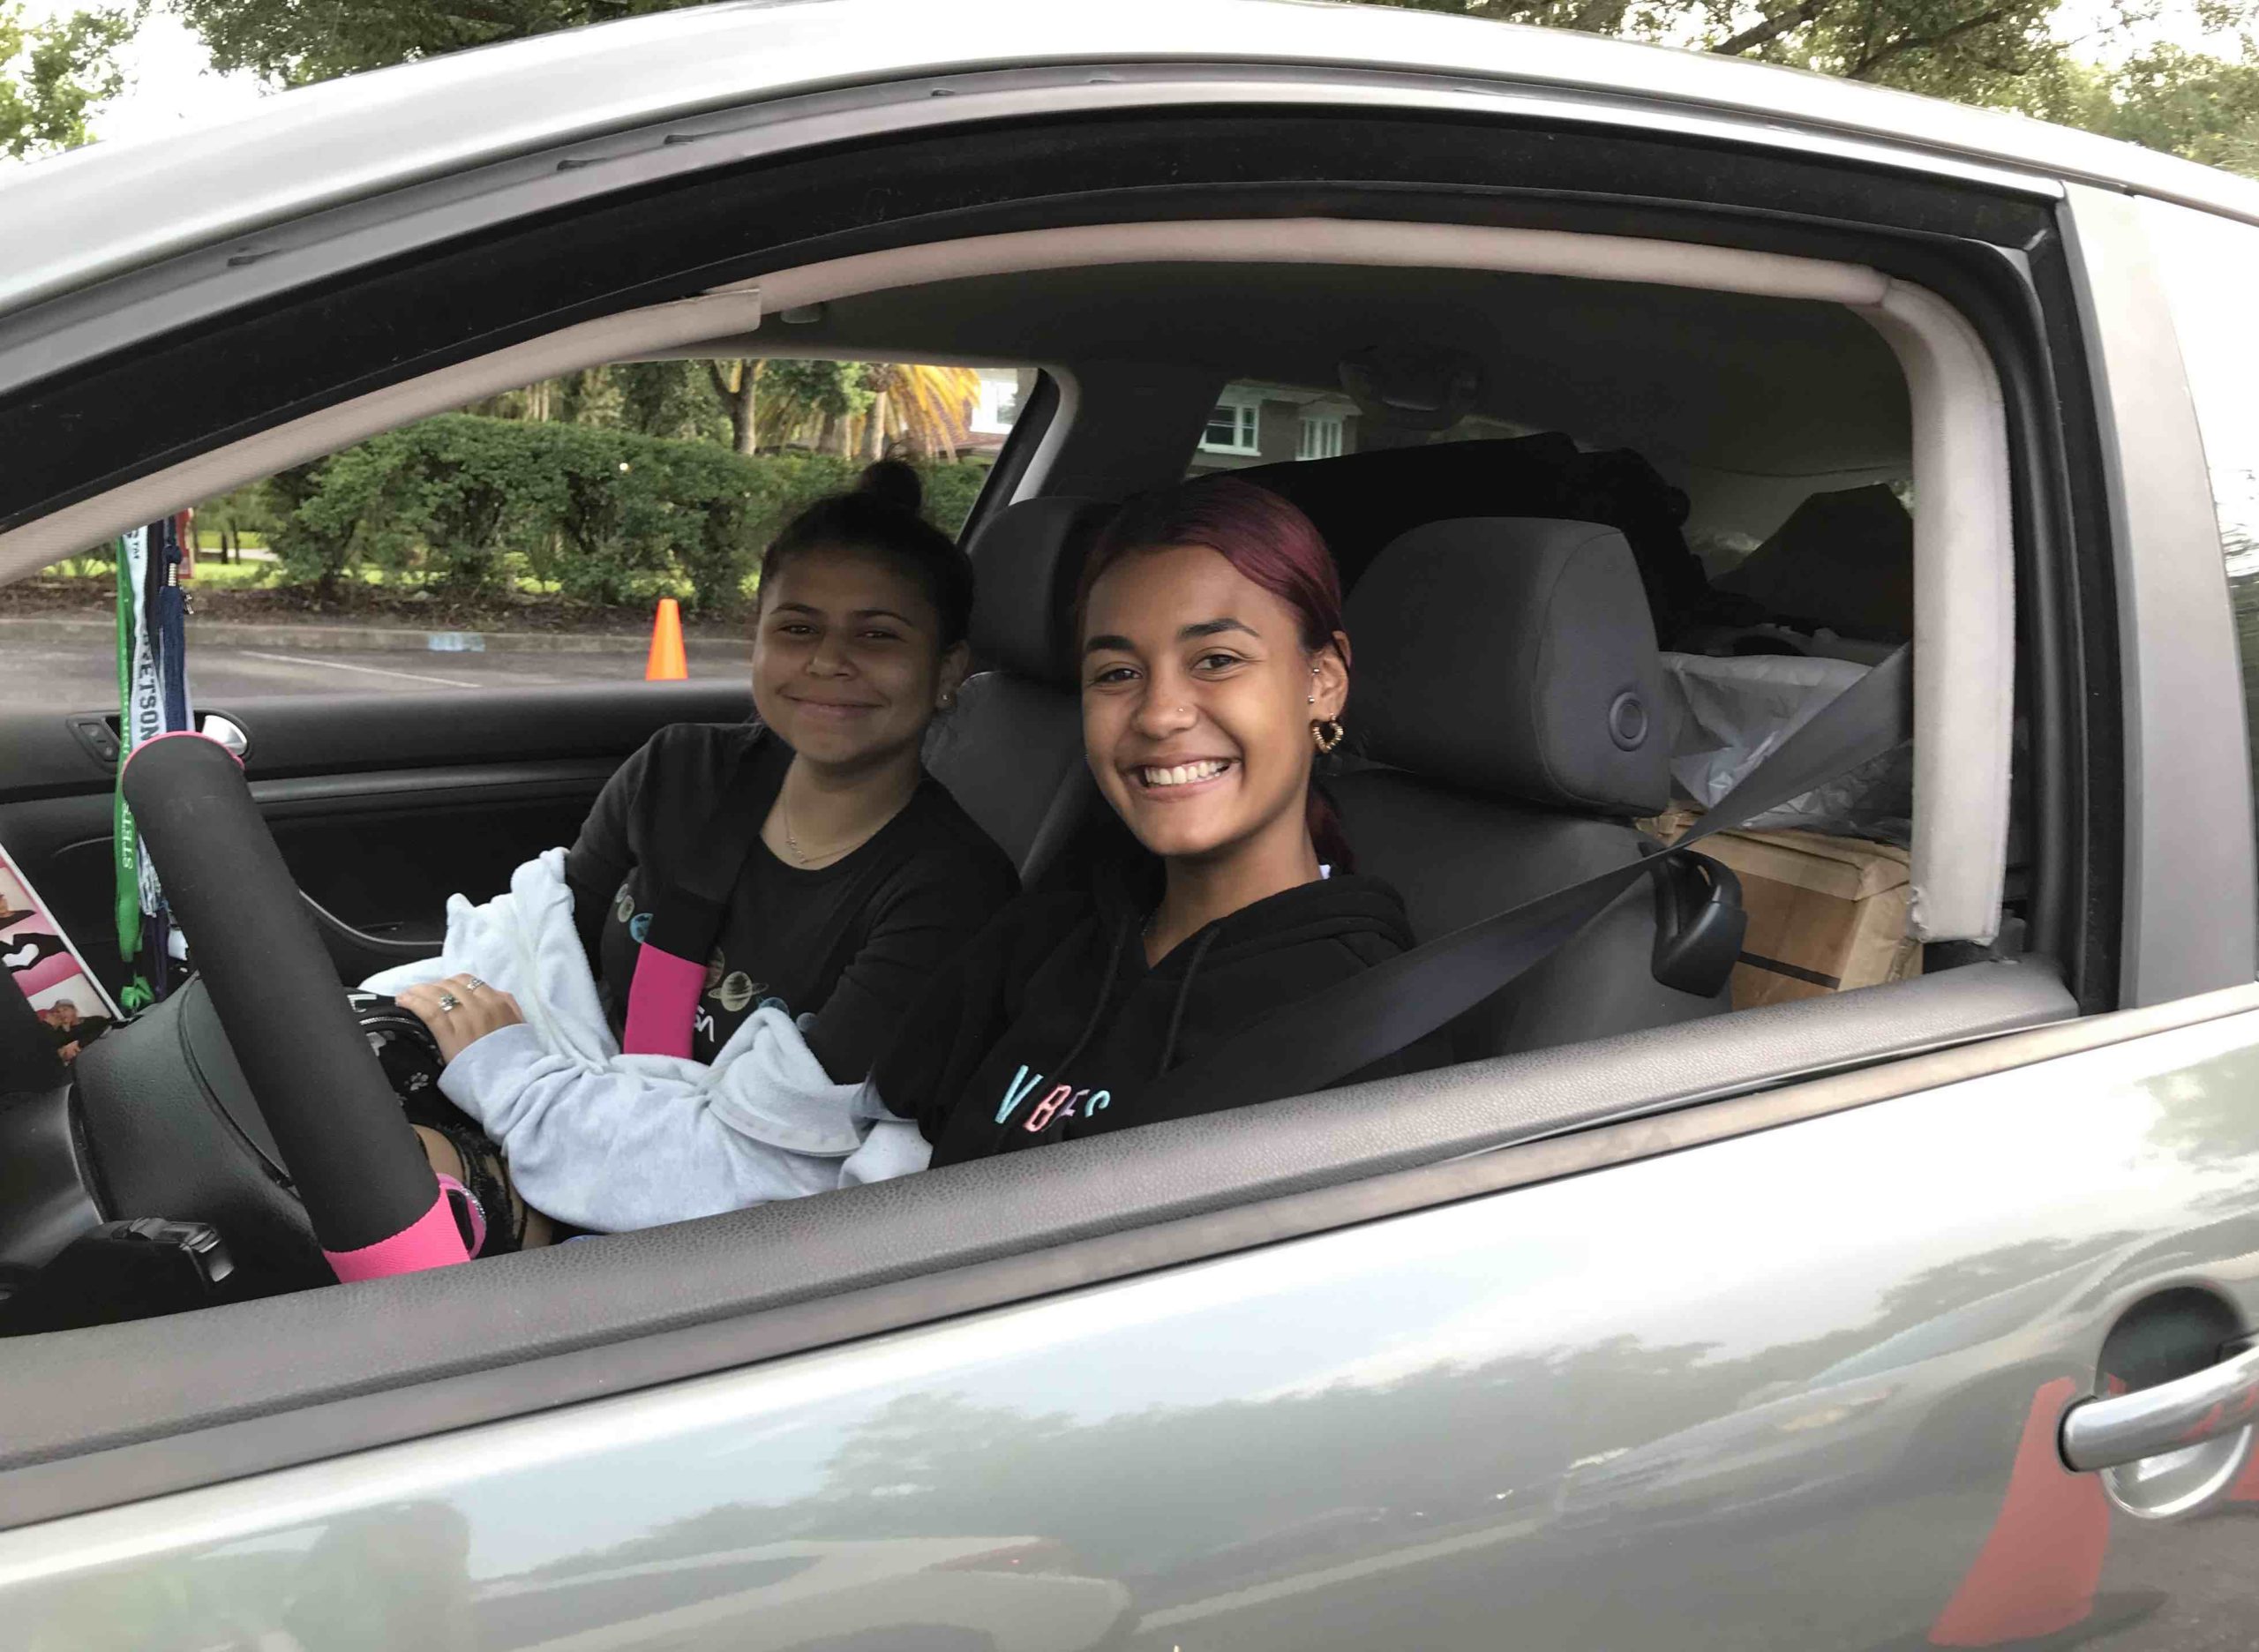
(606, 515)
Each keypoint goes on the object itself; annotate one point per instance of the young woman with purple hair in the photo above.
(1215, 672)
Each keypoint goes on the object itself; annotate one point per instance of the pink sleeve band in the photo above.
(662, 1001)
(179, 733)
(433, 1240)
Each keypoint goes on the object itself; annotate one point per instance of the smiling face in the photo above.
(848, 666)
(1196, 703)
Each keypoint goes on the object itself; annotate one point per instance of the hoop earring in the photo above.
(1325, 733)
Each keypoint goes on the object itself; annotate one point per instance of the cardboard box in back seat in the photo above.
(1825, 913)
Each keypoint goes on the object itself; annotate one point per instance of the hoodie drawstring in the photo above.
(1184, 994)
(1104, 992)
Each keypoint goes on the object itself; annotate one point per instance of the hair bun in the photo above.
(894, 484)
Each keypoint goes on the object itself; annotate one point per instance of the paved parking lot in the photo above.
(68, 677)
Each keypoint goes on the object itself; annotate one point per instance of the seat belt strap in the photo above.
(671, 955)
(686, 920)
(1320, 1039)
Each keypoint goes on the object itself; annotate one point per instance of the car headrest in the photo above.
(1026, 561)
(1513, 656)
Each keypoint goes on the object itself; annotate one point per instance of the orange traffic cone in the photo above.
(2244, 1494)
(2035, 1577)
(666, 662)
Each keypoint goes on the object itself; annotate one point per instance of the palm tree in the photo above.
(928, 409)
(868, 409)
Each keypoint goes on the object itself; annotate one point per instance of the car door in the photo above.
(1672, 1341)
(1797, 1383)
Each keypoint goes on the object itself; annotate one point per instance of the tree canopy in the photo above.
(2063, 62)
(2060, 62)
(294, 41)
(52, 74)
(2035, 56)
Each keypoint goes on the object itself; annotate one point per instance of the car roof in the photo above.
(113, 207)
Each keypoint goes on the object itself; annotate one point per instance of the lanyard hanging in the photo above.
(152, 700)
(132, 551)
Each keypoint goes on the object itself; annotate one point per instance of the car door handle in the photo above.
(2172, 1416)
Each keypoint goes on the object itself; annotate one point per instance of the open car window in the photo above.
(1569, 551)
(551, 518)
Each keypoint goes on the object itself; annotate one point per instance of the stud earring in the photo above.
(1313, 693)
(1325, 733)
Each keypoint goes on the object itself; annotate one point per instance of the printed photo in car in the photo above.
(47, 968)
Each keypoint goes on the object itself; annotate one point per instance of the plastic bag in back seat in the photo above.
(1727, 716)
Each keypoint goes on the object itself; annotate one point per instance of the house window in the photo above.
(1320, 436)
(1233, 427)
(998, 402)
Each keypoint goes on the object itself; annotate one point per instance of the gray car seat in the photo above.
(1011, 751)
(1505, 703)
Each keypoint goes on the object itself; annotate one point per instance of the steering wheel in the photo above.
(264, 1017)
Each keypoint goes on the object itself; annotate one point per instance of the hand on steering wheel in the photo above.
(460, 1011)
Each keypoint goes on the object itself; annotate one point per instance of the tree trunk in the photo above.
(738, 397)
(875, 430)
(744, 405)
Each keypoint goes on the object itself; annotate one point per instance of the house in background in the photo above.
(1258, 423)
(1255, 423)
(1003, 391)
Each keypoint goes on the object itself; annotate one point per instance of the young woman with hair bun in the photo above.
(803, 863)
(1215, 674)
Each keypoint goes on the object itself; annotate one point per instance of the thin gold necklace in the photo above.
(792, 842)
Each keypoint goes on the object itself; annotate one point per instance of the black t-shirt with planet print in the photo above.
(852, 949)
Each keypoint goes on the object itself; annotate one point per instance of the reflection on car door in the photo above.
(1795, 1388)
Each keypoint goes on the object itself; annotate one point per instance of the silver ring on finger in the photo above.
(449, 1003)
(471, 983)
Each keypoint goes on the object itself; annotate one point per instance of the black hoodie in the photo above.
(1051, 1024)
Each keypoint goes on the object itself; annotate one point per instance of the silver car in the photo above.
(1909, 1313)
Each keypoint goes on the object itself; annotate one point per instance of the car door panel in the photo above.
(369, 850)
(383, 804)
(1796, 1388)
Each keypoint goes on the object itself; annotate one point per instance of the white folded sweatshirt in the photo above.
(612, 1142)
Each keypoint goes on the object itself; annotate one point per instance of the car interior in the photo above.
(1574, 482)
